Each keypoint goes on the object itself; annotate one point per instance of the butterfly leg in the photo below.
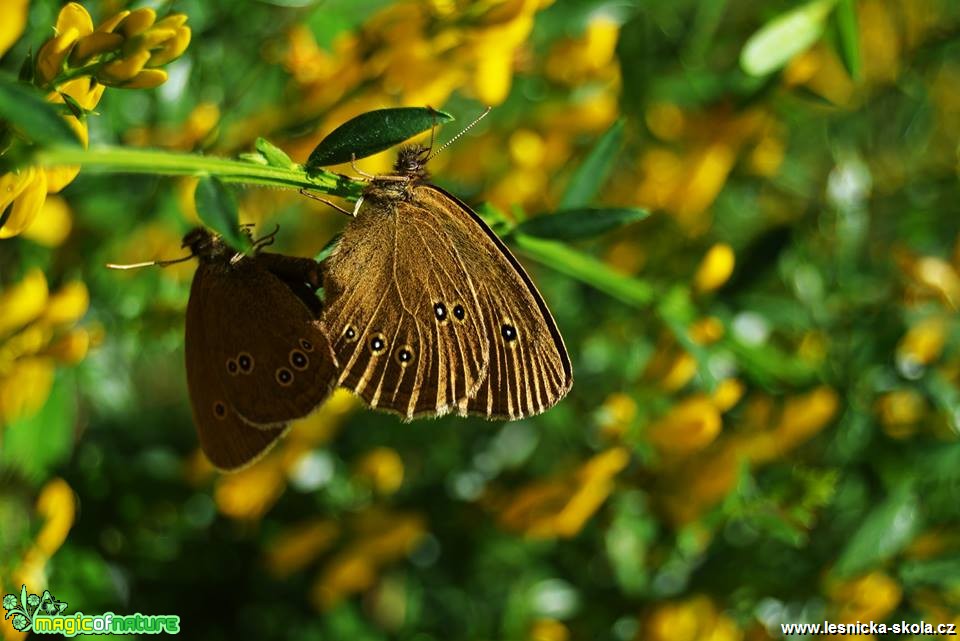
(327, 202)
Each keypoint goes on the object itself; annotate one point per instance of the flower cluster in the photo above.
(74, 67)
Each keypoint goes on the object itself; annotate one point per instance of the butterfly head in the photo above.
(206, 245)
(412, 162)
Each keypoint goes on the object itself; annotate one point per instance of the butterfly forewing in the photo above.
(396, 287)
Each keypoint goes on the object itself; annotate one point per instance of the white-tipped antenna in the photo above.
(152, 263)
(463, 131)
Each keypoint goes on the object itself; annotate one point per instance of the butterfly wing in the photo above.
(227, 441)
(529, 369)
(492, 349)
(267, 348)
(392, 287)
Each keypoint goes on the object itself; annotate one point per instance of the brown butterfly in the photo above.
(255, 353)
(430, 313)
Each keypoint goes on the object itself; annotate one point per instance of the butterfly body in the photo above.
(256, 355)
(430, 313)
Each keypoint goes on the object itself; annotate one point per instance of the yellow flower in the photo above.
(900, 412)
(382, 468)
(22, 192)
(297, 546)
(23, 302)
(561, 506)
(693, 619)
(728, 393)
(871, 597)
(616, 414)
(251, 492)
(801, 418)
(707, 330)
(940, 277)
(548, 630)
(923, 343)
(689, 426)
(715, 268)
(52, 224)
(13, 23)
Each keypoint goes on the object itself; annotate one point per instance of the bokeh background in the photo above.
(765, 417)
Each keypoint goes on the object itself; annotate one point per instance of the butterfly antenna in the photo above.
(267, 240)
(152, 263)
(463, 131)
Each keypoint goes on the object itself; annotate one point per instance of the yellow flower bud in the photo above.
(707, 330)
(57, 505)
(923, 343)
(900, 411)
(382, 468)
(249, 493)
(96, 43)
(148, 40)
(173, 21)
(52, 54)
(868, 598)
(26, 206)
(297, 547)
(26, 389)
(68, 305)
(688, 427)
(74, 16)
(53, 223)
(940, 276)
(172, 48)
(137, 22)
(147, 79)
(728, 393)
(119, 71)
(23, 302)
(13, 23)
(108, 25)
(683, 368)
(715, 269)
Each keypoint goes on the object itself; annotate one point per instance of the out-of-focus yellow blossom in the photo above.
(813, 347)
(37, 332)
(681, 371)
(548, 630)
(626, 256)
(52, 224)
(707, 330)
(715, 268)
(767, 157)
(382, 468)
(823, 73)
(561, 506)
(55, 508)
(871, 597)
(590, 57)
(801, 418)
(728, 393)
(22, 191)
(940, 277)
(900, 412)
(693, 619)
(616, 414)
(688, 426)
(923, 343)
(13, 23)
(299, 545)
(933, 543)
(377, 538)
(879, 40)
(251, 492)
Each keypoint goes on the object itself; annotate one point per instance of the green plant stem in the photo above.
(151, 161)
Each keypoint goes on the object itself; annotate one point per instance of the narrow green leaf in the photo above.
(886, 530)
(593, 172)
(373, 132)
(790, 34)
(574, 224)
(849, 36)
(217, 208)
(275, 156)
(24, 107)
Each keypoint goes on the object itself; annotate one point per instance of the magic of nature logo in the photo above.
(45, 614)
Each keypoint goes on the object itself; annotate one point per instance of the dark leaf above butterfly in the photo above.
(575, 224)
(372, 132)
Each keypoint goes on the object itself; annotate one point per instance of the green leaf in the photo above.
(38, 120)
(36, 444)
(373, 132)
(581, 223)
(849, 36)
(790, 34)
(886, 530)
(593, 172)
(275, 156)
(217, 208)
